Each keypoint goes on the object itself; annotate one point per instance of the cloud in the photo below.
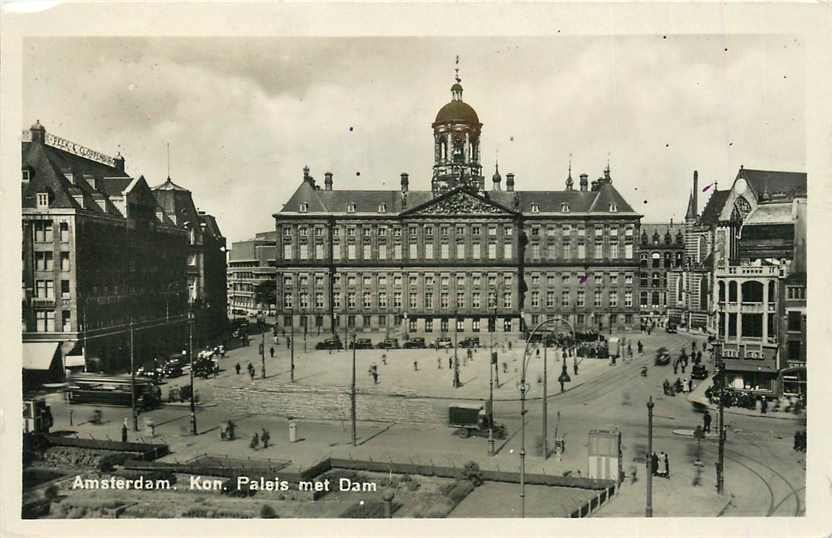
(243, 116)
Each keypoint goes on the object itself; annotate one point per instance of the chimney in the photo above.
(695, 192)
(38, 132)
(584, 183)
(405, 182)
(119, 162)
(328, 181)
(510, 182)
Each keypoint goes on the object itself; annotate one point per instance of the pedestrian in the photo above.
(415, 366)
(690, 384)
(271, 351)
(438, 363)
(676, 367)
(384, 359)
(796, 439)
(683, 367)
(666, 460)
(640, 347)
(575, 366)
(123, 430)
(706, 420)
(654, 464)
(237, 367)
(374, 373)
(684, 384)
(450, 363)
(693, 346)
(255, 441)
(265, 437)
(763, 405)
(251, 373)
(660, 465)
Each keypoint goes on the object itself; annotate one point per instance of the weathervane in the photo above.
(456, 69)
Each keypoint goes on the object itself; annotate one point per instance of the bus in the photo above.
(88, 388)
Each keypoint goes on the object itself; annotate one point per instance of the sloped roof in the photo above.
(710, 215)
(775, 183)
(211, 225)
(169, 185)
(770, 214)
(114, 186)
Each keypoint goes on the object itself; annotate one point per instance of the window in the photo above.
(319, 300)
(508, 230)
(564, 207)
(351, 207)
(443, 325)
(628, 251)
(535, 251)
(413, 253)
(460, 231)
(287, 232)
(319, 251)
(412, 300)
(643, 280)
(492, 299)
(351, 299)
(428, 232)
(535, 299)
(443, 300)
(304, 253)
(564, 298)
(507, 300)
(304, 300)
(460, 251)
(303, 231)
(475, 251)
(287, 280)
(581, 250)
(428, 281)
(564, 279)
(492, 250)
(492, 281)
(614, 249)
(429, 251)
(443, 230)
(460, 281)
(43, 200)
(429, 300)
(382, 208)
(45, 289)
(66, 326)
(535, 208)
(351, 252)
(613, 208)
(566, 249)
(43, 261)
(613, 297)
(64, 227)
(287, 252)
(550, 299)
(43, 231)
(795, 293)
(596, 298)
(287, 299)
(655, 299)
(444, 251)
(475, 230)
(429, 325)
(507, 325)
(45, 321)
(336, 300)
(397, 299)
(476, 281)
(65, 289)
(613, 279)
(752, 325)
(460, 299)
(411, 230)
(643, 298)
(475, 300)
(445, 281)
(367, 299)
(460, 325)
(304, 207)
(492, 230)
(628, 298)
(535, 279)
(382, 252)
(794, 320)
(794, 350)
(336, 250)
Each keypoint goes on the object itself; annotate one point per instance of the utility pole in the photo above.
(132, 379)
(545, 406)
(191, 353)
(456, 358)
(292, 351)
(492, 363)
(352, 394)
(262, 319)
(648, 509)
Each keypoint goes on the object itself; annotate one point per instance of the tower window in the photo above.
(613, 208)
(304, 207)
(564, 207)
(351, 207)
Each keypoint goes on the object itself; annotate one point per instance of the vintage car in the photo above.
(471, 419)
(415, 343)
(333, 342)
(362, 343)
(389, 343)
(443, 343)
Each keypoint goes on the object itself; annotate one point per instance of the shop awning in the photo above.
(72, 361)
(38, 355)
(750, 367)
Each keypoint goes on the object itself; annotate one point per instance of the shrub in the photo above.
(472, 472)
(51, 493)
(267, 512)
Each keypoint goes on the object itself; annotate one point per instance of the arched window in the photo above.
(721, 291)
(772, 292)
(752, 292)
(703, 292)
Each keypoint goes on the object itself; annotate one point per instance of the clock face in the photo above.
(740, 186)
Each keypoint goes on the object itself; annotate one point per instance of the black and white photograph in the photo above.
(553, 276)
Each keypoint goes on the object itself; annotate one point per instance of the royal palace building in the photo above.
(463, 256)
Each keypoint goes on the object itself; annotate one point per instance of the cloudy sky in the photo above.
(243, 116)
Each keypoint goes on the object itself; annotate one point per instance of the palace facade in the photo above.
(462, 256)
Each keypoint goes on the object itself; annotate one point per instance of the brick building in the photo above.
(662, 249)
(461, 256)
(99, 255)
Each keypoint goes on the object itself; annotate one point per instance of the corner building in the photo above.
(460, 257)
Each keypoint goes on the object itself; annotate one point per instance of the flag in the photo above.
(582, 279)
(707, 187)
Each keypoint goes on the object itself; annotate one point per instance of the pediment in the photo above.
(461, 203)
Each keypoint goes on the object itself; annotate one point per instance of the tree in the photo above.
(265, 293)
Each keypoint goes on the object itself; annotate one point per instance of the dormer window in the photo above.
(43, 200)
(27, 175)
(613, 208)
(535, 208)
(351, 207)
(304, 207)
(382, 208)
(564, 207)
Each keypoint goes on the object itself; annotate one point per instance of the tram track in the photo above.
(743, 460)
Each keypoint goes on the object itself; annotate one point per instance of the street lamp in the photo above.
(261, 320)
(523, 389)
(352, 394)
(191, 318)
(648, 509)
(291, 346)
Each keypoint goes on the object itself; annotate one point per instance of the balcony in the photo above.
(748, 271)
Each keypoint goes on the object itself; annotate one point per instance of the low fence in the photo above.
(147, 451)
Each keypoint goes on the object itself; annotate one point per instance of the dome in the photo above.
(457, 112)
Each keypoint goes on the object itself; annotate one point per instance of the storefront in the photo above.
(792, 381)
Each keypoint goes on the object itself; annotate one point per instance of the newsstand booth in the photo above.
(605, 455)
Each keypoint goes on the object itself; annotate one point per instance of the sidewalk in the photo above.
(698, 397)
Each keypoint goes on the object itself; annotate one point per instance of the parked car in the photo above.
(333, 342)
(443, 343)
(173, 369)
(362, 343)
(470, 342)
(389, 343)
(415, 343)
(699, 371)
(671, 328)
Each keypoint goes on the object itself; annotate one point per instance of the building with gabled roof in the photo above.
(100, 256)
(461, 257)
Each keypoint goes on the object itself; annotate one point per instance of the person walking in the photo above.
(640, 347)
(666, 460)
(575, 366)
(438, 363)
(265, 437)
(684, 384)
(237, 367)
(271, 351)
(255, 441)
(450, 363)
(384, 359)
(654, 464)
(763, 405)
(676, 367)
(415, 366)
(123, 430)
(660, 464)
(706, 422)
(374, 373)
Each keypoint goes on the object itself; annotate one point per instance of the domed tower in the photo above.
(456, 139)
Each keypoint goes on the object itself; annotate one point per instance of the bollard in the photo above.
(293, 431)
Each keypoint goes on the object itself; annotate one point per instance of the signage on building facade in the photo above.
(78, 149)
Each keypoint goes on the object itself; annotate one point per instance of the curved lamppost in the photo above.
(523, 389)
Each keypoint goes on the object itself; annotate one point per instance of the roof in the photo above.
(777, 213)
(211, 225)
(457, 111)
(710, 215)
(691, 212)
(768, 184)
(368, 201)
(169, 185)
(114, 185)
